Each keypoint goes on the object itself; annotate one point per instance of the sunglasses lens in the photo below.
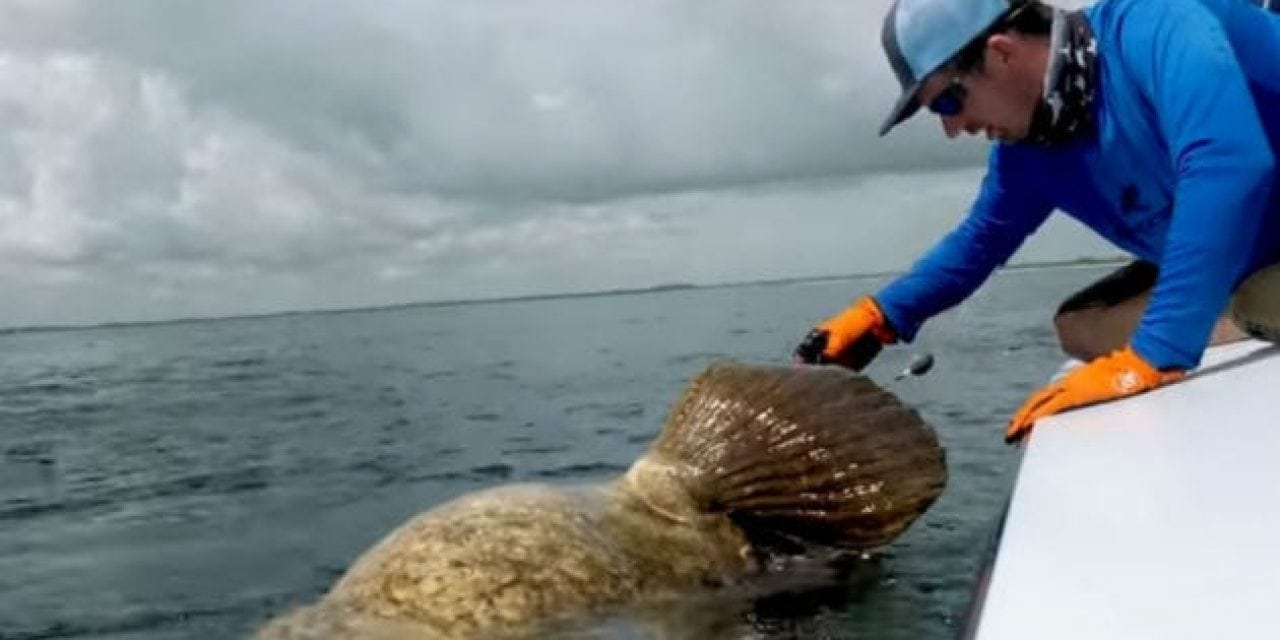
(950, 102)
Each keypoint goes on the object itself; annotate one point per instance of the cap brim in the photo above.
(904, 108)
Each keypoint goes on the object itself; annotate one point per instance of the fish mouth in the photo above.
(772, 546)
(779, 551)
(796, 574)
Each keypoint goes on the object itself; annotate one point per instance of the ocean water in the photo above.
(191, 479)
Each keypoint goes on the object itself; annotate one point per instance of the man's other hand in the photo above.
(1122, 373)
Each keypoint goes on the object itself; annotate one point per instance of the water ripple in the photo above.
(146, 619)
(215, 483)
(581, 470)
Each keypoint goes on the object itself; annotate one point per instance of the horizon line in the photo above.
(458, 302)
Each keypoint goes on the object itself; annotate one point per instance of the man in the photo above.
(1154, 122)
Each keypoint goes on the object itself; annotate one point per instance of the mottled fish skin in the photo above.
(497, 562)
(812, 453)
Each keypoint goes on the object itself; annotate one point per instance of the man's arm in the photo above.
(1183, 62)
(1006, 211)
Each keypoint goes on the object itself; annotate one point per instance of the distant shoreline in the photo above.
(661, 288)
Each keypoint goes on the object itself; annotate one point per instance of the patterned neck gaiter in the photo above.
(1066, 110)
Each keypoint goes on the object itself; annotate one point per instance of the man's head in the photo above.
(978, 64)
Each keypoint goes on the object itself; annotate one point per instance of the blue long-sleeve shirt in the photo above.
(1181, 172)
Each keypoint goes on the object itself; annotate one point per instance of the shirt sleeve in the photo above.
(1184, 64)
(1006, 210)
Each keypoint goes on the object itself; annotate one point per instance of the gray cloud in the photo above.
(408, 149)
(556, 99)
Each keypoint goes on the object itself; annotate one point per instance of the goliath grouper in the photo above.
(749, 454)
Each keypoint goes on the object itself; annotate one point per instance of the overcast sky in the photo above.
(163, 158)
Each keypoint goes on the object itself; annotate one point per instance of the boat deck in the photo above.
(1152, 517)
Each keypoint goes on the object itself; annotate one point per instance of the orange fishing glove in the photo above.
(1122, 373)
(850, 339)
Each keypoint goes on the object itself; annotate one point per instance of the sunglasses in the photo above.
(950, 101)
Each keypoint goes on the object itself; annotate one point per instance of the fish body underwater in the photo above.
(749, 454)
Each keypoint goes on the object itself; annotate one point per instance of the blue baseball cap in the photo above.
(920, 36)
